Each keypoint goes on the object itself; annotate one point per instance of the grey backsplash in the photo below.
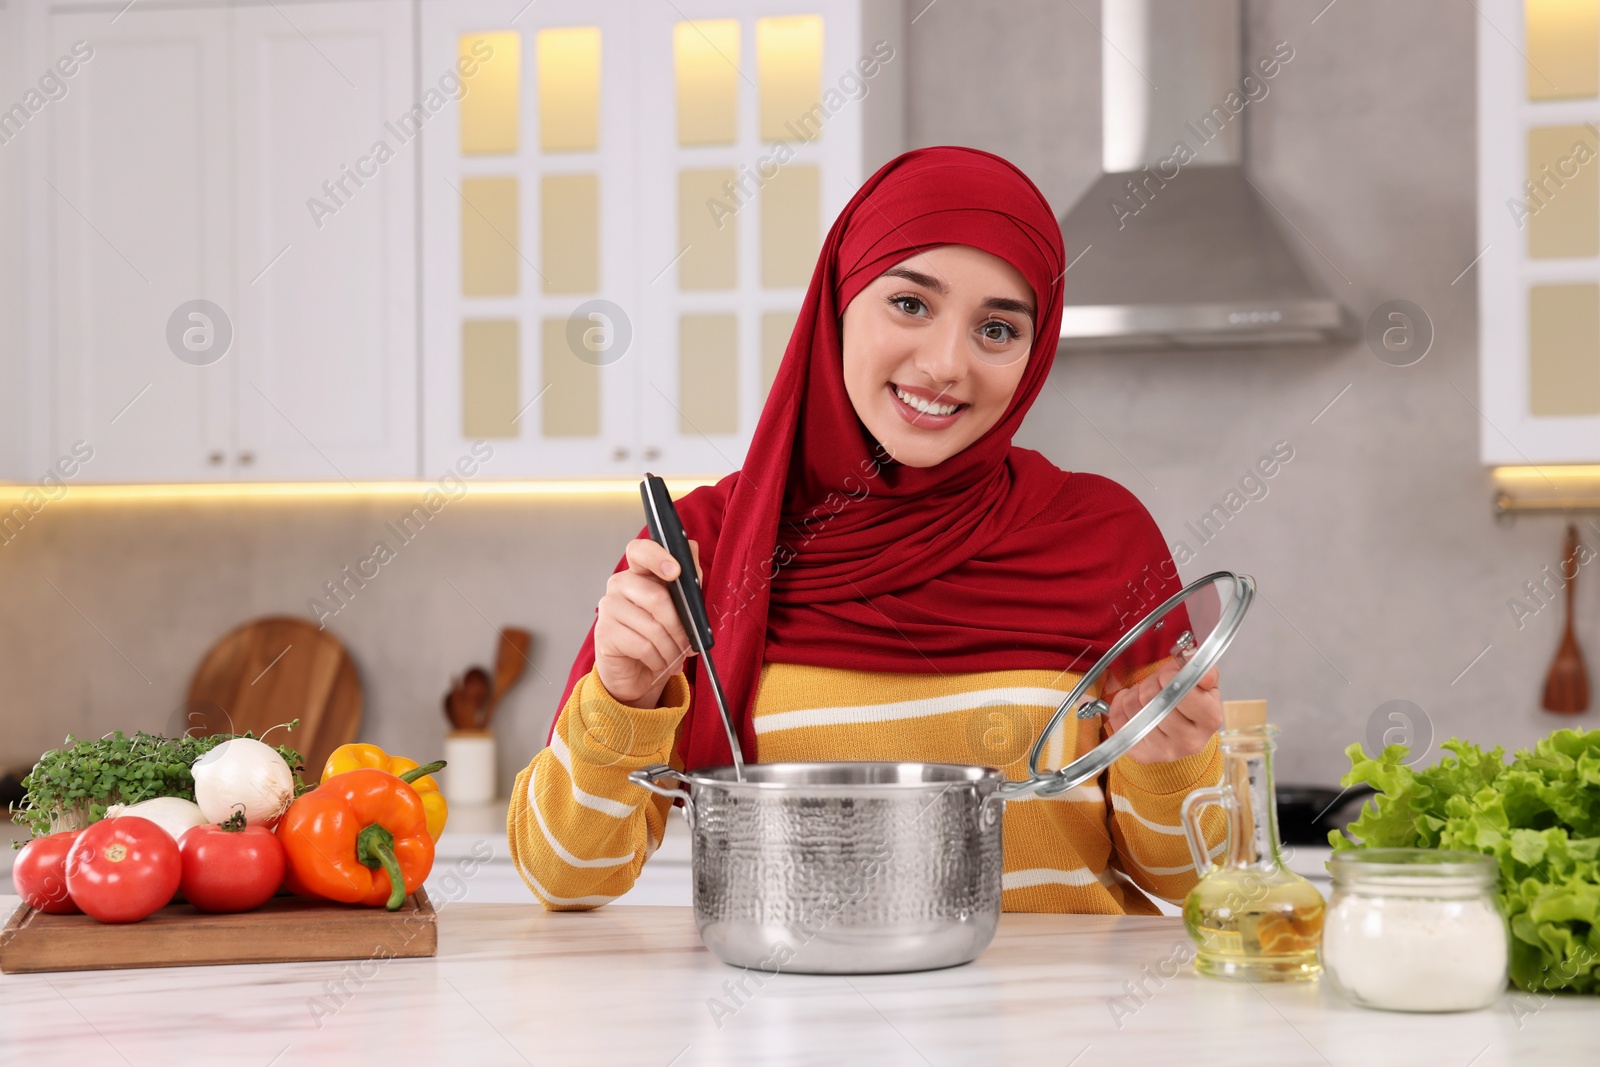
(1383, 572)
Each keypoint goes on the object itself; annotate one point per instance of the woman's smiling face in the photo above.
(934, 348)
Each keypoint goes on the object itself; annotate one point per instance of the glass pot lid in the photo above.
(1214, 607)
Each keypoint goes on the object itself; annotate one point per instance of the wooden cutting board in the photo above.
(270, 671)
(283, 930)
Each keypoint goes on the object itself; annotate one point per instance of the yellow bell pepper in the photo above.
(356, 756)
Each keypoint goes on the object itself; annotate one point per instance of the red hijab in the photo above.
(821, 550)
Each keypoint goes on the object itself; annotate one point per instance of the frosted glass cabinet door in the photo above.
(762, 127)
(1538, 241)
(530, 230)
(326, 326)
(138, 206)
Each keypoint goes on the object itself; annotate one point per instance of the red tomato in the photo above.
(41, 873)
(120, 870)
(230, 870)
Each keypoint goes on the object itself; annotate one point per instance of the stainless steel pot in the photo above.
(856, 868)
(843, 868)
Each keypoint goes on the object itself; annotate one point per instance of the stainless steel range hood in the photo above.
(1173, 245)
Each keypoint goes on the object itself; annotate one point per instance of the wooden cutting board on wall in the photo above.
(271, 671)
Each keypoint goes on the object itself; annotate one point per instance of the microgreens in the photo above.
(71, 787)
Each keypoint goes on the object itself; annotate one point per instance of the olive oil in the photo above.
(1250, 917)
(1257, 925)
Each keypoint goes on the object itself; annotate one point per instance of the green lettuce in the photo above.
(1538, 816)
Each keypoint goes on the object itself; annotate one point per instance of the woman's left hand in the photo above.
(1186, 730)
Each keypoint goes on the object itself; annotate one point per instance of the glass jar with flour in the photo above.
(1415, 929)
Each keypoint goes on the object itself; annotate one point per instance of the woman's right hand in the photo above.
(639, 642)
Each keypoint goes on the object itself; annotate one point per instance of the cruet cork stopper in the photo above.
(1243, 714)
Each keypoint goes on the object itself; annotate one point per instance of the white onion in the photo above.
(173, 814)
(243, 773)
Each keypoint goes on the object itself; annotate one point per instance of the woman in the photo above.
(888, 578)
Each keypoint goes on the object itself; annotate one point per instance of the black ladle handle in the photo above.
(661, 518)
(666, 529)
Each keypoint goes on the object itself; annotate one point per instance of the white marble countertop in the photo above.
(514, 984)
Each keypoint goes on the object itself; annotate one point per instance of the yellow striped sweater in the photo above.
(580, 832)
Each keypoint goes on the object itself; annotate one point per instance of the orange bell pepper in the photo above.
(359, 838)
(351, 757)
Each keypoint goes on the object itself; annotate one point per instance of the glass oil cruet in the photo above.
(1250, 917)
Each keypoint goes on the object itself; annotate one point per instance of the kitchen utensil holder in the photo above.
(469, 777)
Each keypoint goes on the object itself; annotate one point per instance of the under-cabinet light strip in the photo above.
(1556, 487)
(13, 494)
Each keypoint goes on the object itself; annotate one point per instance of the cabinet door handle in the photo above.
(246, 458)
(619, 454)
(652, 452)
(215, 459)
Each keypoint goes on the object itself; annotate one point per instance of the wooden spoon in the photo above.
(475, 695)
(510, 661)
(1566, 687)
(457, 708)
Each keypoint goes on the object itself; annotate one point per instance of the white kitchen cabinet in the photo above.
(137, 191)
(231, 152)
(766, 95)
(184, 163)
(24, 401)
(325, 210)
(1539, 231)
